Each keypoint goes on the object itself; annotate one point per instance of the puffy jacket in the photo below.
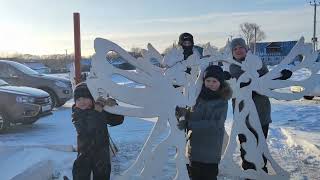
(91, 127)
(206, 128)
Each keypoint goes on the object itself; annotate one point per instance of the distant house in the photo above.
(85, 65)
(272, 53)
(38, 66)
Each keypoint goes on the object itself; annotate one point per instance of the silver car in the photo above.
(17, 74)
(20, 104)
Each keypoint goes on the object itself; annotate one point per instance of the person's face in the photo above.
(186, 43)
(84, 103)
(212, 83)
(239, 52)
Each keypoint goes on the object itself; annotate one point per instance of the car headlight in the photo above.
(61, 84)
(25, 99)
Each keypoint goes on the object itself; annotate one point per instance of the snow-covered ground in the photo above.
(294, 141)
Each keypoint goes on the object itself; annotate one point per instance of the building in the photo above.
(272, 53)
(38, 66)
(85, 65)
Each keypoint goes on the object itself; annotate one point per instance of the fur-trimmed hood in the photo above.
(225, 91)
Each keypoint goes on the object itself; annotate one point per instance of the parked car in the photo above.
(17, 74)
(20, 104)
(296, 89)
(314, 92)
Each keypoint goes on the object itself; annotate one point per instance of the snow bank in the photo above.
(40, 171)
(19, 162)
(309, 143)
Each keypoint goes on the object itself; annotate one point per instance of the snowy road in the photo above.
(294, 141)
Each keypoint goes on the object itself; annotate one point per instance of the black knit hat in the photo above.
(82, 90)
(216, 72)
(185, 37)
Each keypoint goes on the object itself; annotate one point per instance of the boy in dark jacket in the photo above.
(205, 124)
(239, 52)
(91, 123)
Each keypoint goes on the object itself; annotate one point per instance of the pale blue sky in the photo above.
(46, 26)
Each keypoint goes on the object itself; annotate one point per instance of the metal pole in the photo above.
(314, 27)
(314, 38)
(255, 40)
(77, 46)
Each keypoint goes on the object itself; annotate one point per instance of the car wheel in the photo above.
(53, 97)
(4, 123)
(308, 97)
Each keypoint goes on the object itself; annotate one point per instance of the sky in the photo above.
(42, 27)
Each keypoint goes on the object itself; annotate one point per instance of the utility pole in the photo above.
(255, 40)
(66, 60)
(231, 36)
(314, 38)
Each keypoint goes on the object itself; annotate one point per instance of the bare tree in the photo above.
(166, 50)
(136, 52)
(248, 31)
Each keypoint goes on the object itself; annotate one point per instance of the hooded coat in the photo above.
(91, 127)
(206, 127)
(262, 102)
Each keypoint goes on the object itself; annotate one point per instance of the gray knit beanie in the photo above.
(238, 41)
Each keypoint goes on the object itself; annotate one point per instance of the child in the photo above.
(91, 123)
(205, 124)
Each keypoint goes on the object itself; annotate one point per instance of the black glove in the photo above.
(227, 75)
(182, 124)
(285, 74)
(181, 112)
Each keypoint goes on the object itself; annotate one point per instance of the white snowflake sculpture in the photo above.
(265, 85)
(158, 98)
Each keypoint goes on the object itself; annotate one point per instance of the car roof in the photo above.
(9, 62)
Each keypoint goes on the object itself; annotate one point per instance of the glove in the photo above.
(181, 112)
(227, 75)
(101, 101)
(111, 102)
(286, 74)
(182, 124)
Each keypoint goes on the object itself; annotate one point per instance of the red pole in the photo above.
(77, 46)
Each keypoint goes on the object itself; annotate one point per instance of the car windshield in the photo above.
(25, 69)
(3, 83)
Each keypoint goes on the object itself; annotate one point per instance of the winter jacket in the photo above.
(91, 127)
(206, 127)
(262, 102)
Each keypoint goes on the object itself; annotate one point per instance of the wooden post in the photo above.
(77, 46)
